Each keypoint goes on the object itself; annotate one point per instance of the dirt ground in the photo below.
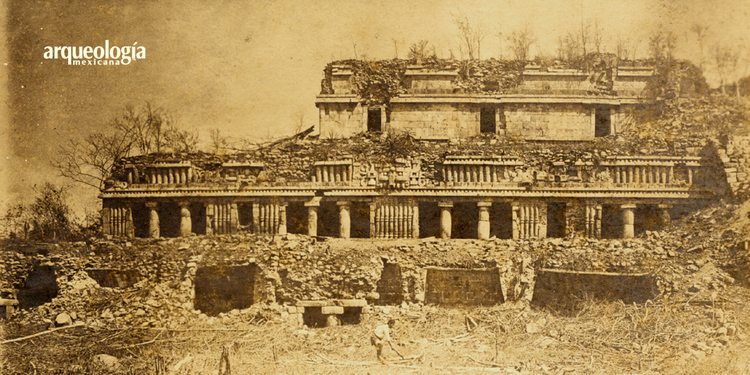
(584, 337)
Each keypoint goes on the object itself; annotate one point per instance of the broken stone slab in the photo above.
(63, 319)
(351, 302)
(312, 303)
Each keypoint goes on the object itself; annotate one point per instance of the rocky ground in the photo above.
(696, 324)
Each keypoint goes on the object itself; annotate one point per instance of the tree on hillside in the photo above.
(50, 213)
(520, 42)
(700, 33)
(137, 130)
(470, 36)
(568, 47)
(661, 45)
(726, 62)
(421, 51)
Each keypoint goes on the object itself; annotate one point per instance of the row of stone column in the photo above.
(474, 173)
(593, 221)
(529, 220)
(333, 173)
(394, 221)
(118, 221)
(646, 174)
(175, 175)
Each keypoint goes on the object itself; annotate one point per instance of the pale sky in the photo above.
(248, 67)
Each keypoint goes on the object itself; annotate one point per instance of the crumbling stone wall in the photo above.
(435, 120)
(569, 122)
(736, 160)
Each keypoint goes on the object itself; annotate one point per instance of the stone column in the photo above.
(210, 212)
(256, 218)
(312, 218)
(129, 229)
(106, 222)
(628, 220)
(664, 219)
(344, 220)
(373, 223)
(282, 218)
(483, 227)
(186, 225)
(445, 219)
(598, 224)
(234, 218)
(153, 220)
(514, 221)
(415, 221)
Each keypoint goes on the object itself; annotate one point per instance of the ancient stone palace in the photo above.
(488, 166)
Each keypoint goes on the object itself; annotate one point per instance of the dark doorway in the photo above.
(389, 286)
(198, 218)
(464, 219)
(487, 122)
(556, 220)
(646, 218)
(140, 220)
(602, 125)
(359, 217)
(169, 219)
(245, 216)
(611, 221)
(296, 218)
(501, 221)
(328, 219)
(221, 288)
(374, 120)
(429, 219)
(39, 287)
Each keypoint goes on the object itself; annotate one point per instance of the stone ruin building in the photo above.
(466, 196)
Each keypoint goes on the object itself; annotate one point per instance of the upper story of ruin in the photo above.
(455, 101)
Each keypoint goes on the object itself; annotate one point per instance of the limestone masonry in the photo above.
(471, 185)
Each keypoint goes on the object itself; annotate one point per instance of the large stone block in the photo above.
(311, 303)
(351, 302)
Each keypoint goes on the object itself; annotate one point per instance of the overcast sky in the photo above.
(247, 68)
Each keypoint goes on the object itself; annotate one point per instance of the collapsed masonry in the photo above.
(484, 192)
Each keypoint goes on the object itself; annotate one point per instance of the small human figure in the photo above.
(382, 335)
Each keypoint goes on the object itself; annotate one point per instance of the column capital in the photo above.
(445, 204)
(484, 204)
(315, 202)
(628, 206)
(152, 204)
(184, 203)
(665, 206)
(342, 203)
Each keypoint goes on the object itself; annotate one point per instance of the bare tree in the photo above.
(568, 48)
(661, 44)
(470, 36)
(700, 33)
(134, 131)
(597, 36)
(420, 51)
(180, 140)
(89, 161)
(219, 143)
(622, 46)
(520, 42)
(726, 60)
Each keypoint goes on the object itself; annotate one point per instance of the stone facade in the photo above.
(555, 104)
(482, 195)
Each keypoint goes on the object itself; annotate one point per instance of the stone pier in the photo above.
(628, 220)
(483, 227)
(312, 217)
(153, 219)
(186, 225)
(344, 219)
(445, 219)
